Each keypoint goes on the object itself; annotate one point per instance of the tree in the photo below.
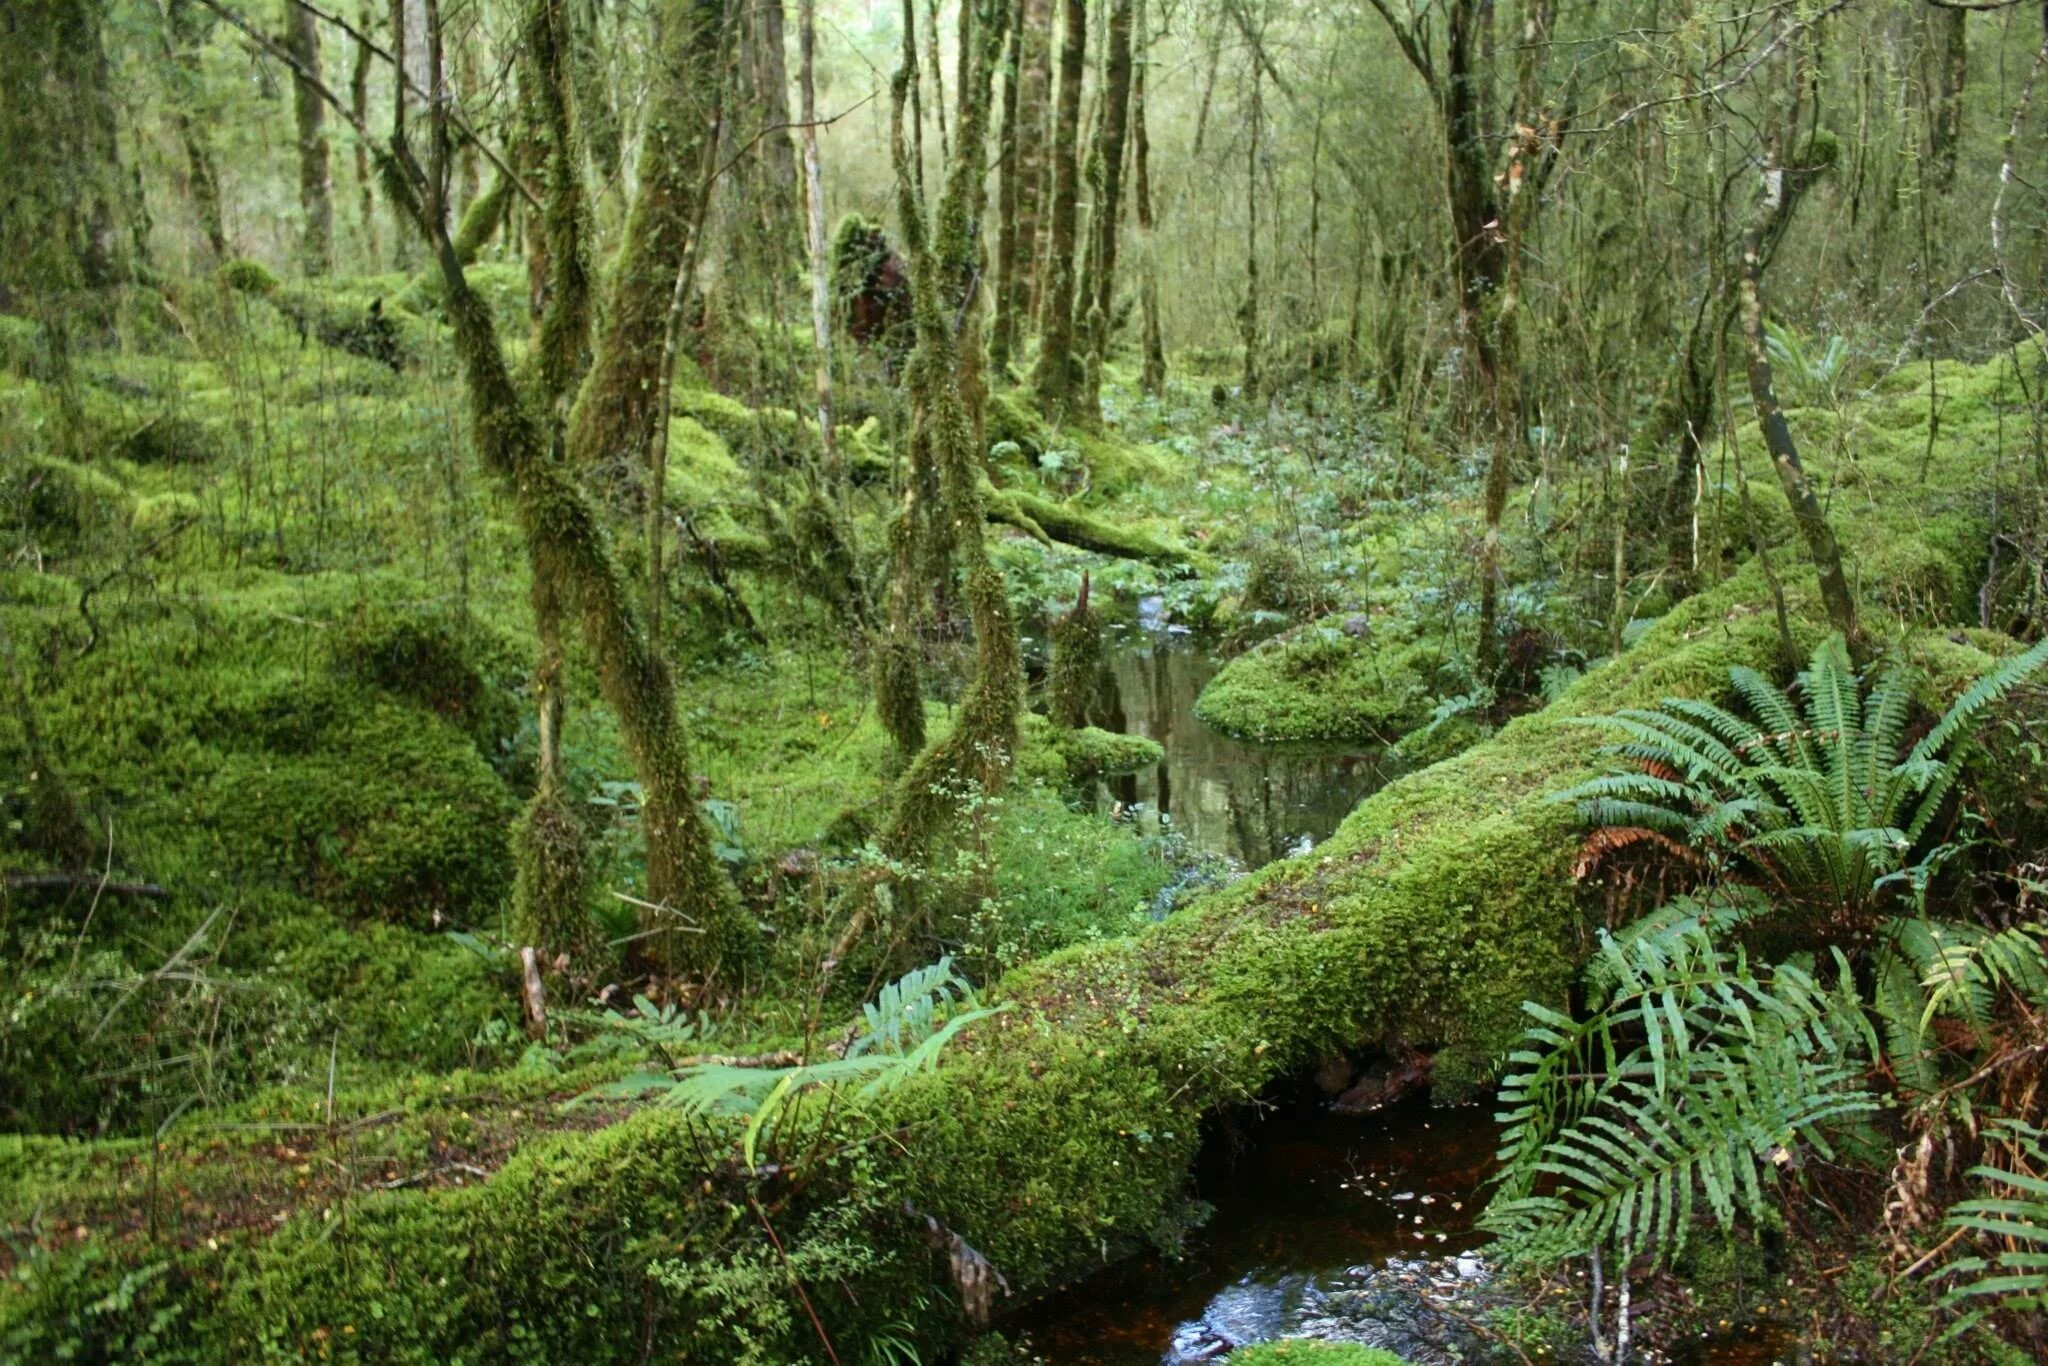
(1054, 379)
(316, 190)
(1107, 217)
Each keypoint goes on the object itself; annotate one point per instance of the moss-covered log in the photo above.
(1051, 520)
(1050, 1138)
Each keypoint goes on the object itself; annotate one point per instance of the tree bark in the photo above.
(1773, 203)
(1053, 378)
(1002, 333)
(1951, 56)
(814, 226)
(615, 410)
(359, 103)
(1108, 216)
(1152, 378)
(309, 109)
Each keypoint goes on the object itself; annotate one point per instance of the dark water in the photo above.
(1302, 1197)
(1254, 803)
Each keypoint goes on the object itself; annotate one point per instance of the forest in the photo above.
(1316, 682)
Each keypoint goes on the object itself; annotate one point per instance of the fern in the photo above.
(2015, 1277)
(904, 1035)
(1690, 1083)
(1816, 797)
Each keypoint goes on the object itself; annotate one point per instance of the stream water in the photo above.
(1308, 1205)
(1253, 803)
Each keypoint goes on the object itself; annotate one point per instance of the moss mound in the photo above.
(1329, 680)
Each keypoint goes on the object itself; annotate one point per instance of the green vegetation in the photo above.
(591, 769)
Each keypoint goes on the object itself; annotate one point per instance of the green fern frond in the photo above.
(1979, 695)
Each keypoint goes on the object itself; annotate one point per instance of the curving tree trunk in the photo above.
(615, 411)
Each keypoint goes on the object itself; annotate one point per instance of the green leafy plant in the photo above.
(2014, 1278)
(1809, 370)
(907, 1026)
(1693, 1080)
(1815, 796)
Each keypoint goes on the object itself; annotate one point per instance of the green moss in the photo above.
(1304, 1352)
(1323, 682)
(58, 506)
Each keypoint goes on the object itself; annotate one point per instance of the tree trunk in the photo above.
(975, 754)
(1773, 203)
(562, 337)
(814, 224)
(1108, 217)
(771, 82)
(1034, 106)
(316, 191)
(615, 410)
(1053, 379)
(1003, 333)
(697, 922)
(1152, 378)
(1248, 307)
(1951, 56)
(359, 104)
(597, 111)
(183, 29)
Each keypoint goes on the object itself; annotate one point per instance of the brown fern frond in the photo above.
(1601, 844)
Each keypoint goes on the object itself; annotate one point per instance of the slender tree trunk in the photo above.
(1152, 378)
(615, 410)
(1034, 105)
(316, 191)
(1951, 54)
(976, 753)
(1108, 216)
(1002, 334)
(1773, 203)
(814, 224)
(359, 103)
(562, 337)
(1053, 379)
(183, 29)
(771, 80)
(597, 110)
(1248, 307)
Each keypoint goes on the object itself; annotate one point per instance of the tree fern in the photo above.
(1811, 796)
(1690, 1082)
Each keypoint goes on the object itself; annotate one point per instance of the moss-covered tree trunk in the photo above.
(616, 408)
(359, 105)
(1949, 46)
(1053, 379)
(1002, 333)
(184, 29)
(975, 754)
(1107, 216)
(562, 337)
(1152, 377)
(695, 921)
(1034, 108)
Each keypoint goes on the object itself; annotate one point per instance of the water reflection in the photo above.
(1254, 803)
(1304, 1199)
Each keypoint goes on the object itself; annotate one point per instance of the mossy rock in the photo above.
(59, 505)
(169, 439)
(1328, 680)
(1091, 752)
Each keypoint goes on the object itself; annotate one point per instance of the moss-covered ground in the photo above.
(261, 1062)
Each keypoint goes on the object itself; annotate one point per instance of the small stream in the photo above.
(1309, 1208)
(1308, 1205)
